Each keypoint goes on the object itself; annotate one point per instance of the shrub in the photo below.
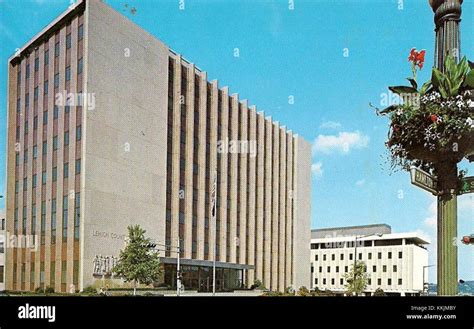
(379, 292)
(257, 284)
(303, 291)
(90, 290)
(49, 290)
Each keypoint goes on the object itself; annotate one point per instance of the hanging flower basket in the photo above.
(434, 123)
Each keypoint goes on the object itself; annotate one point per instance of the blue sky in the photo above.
(332, 57)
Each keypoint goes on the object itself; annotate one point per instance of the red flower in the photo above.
(418, 58)
(435, 118)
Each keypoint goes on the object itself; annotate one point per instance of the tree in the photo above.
(361, 277)
(138, 263)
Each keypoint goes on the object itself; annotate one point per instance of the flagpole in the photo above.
(213, 214)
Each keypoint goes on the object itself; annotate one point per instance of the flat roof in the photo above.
(415, 236)
(48, 28)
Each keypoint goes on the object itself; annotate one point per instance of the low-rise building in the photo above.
(397, 263)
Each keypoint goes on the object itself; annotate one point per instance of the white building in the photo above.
(396, 262)
(2, 250)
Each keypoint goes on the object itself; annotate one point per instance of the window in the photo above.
(324, 257)
(333, 281)
(320, 269)
(53, 221)
(80, 32)
(394, 268)
(27, 73)
(329, 269)
(35, 122)
(342, 256)
(389, 255)
(55, 143)
(17, 159)
(18, 105)
(360, 256)
(370, 255)
(34, 180)
(25, 184)
(65, 214)
(78, 133)
(374, 268)
(380, 255)
(77, 215)
(56, 112)
(46, 87)
(389, 282)
(67, 109)
(68, 41)
(350, 256)
(56, 49)
(66, 170)
(66, 138)
(27, 101)
(324, 281)
(35, 151)
(25, 156)
(346, 269)
(341, 282)
(45, 148)
(33, 219)
(37, 64)
(63, 272)
(400, 254)
(45, 117)
(2, 270)
(68, 73)
(43, 222)
(316, 258)
(78, 168)
(379, 282)
(333, 257)
(400, 282)
(46, 57)
(56, 80)
(369, 282)
(36, 93)
(337, 269)
(43, 177)
(384, 268)
(55, 174)
(79, 66)
(316, 281)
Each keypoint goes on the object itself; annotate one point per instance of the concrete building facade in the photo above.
(140, 141)
(395, 262)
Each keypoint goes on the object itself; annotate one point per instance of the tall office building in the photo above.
(397, 263)
(108, 127)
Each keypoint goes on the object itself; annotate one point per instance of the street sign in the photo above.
(467, 185)
(424, 180)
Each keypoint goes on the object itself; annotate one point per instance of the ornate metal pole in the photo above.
(447, 16)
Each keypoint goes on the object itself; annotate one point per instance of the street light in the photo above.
(425, 288)
(355, 251)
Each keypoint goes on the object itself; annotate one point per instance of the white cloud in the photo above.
(343, 142)
(330, 125)
(360, 182)
(317, 169)
(432, 219)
